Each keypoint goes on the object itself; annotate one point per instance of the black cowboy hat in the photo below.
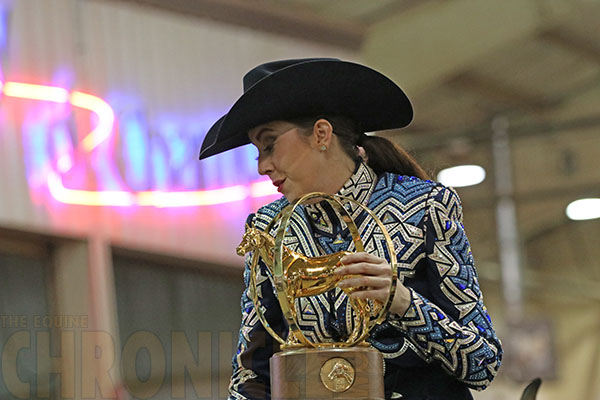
(286, 89)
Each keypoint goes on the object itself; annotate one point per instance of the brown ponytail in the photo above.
(385, 156)
(382, 154)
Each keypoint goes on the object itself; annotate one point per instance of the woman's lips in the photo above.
(278, 183)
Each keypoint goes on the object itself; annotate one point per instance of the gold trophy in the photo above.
(304, 369)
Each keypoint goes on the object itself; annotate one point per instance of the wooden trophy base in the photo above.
(341, 373)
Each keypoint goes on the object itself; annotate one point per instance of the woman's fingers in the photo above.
(373, 282)
(368, 276)
(362, 257)
(364, 268)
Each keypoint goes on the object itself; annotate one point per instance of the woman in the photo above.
(307, 119)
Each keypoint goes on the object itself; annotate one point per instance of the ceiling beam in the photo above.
(587, 48)
(500, 92)
(297, 23)
(567, 192)
(482, 134)
(552, 227)
(396, 7)
(426, 45)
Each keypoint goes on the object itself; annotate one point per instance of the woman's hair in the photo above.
(382, 154)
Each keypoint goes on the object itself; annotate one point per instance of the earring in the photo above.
(323, 148)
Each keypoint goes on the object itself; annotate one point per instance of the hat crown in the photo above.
(262, 71)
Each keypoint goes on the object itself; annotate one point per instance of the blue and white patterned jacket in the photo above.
(445, 342)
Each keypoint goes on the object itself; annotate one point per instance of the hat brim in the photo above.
(326, 87)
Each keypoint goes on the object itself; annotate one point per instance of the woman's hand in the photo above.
(372, 278)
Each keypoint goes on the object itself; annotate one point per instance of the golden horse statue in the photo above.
(305, 276)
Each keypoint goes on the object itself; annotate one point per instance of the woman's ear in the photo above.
(322, 133)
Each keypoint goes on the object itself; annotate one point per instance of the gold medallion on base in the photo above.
(337, 374)
(340, 373)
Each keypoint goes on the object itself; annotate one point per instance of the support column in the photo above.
(506, 221)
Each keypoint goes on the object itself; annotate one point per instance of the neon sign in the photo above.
(91, 147)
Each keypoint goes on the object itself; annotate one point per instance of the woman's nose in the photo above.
(264, 166)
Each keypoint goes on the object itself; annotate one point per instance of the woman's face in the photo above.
(288, 157)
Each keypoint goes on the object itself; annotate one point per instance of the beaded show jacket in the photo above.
(442, 346)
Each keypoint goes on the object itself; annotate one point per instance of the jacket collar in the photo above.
(360, 185)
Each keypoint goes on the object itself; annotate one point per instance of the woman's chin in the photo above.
(291, 197)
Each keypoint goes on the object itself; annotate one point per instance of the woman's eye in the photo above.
(268, 149)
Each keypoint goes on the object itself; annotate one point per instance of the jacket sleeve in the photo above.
(451, 327)
(251, 373)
